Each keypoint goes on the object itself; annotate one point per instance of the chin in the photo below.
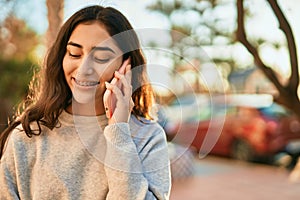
(84, 98)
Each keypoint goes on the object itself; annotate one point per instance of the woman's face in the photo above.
(91, 58)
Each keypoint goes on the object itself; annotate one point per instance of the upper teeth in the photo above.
(86, 83)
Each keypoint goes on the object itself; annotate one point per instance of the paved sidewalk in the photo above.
(229, 180)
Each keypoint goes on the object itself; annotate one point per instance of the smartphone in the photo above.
(109, 99)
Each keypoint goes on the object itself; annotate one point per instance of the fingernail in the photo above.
(107, 84)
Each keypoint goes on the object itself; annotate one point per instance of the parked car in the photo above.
(245, 127)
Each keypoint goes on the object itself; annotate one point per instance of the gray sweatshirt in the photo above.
(84, 158)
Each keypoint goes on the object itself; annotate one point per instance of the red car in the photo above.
(239, 130)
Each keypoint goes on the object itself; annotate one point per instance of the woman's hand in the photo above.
(121, 91)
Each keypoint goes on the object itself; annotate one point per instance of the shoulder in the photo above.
(16, 143)
(17, 134)
(19, 142)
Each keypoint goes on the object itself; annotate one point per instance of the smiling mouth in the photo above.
(86, 83)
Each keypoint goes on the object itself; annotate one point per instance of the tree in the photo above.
(16, 67)
(214, 32)
(194, 28)
(16, 39)
(17, 63)
(55, 18)
(288, 92)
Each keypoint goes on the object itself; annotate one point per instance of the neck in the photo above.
(90, 109)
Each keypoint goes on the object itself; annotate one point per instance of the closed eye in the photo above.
(101, 60)
(74, 55)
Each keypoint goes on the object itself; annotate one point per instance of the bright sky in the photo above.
(134, 10)
(35, 13)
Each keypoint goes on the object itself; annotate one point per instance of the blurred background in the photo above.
(226, 77)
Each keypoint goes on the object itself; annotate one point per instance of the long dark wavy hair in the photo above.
(50, 93)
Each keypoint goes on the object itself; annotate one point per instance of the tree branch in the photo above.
(241, 36)
(285, 27)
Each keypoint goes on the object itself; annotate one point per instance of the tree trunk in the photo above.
(55, 19)
(288, 95)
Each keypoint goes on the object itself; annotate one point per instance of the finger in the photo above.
(128, 73)
(131, 104)
(117, 83)
(128, 68)
(128, 77)
(115, 89)
(128, 61)
(127, 88)
(122, 70)
(114, 81)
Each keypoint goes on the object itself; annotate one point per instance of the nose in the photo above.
(86, 67)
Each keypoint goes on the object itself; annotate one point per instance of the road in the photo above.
(221, 178)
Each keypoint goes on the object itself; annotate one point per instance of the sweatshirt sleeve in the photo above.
(8, 179)
(137, 167)
(15, 164)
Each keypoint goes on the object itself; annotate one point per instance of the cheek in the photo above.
(66, 65)
(69, 66)
(108, 73)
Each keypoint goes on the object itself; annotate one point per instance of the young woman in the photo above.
(87, 132)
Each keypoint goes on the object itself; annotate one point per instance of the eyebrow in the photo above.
(96, 48)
